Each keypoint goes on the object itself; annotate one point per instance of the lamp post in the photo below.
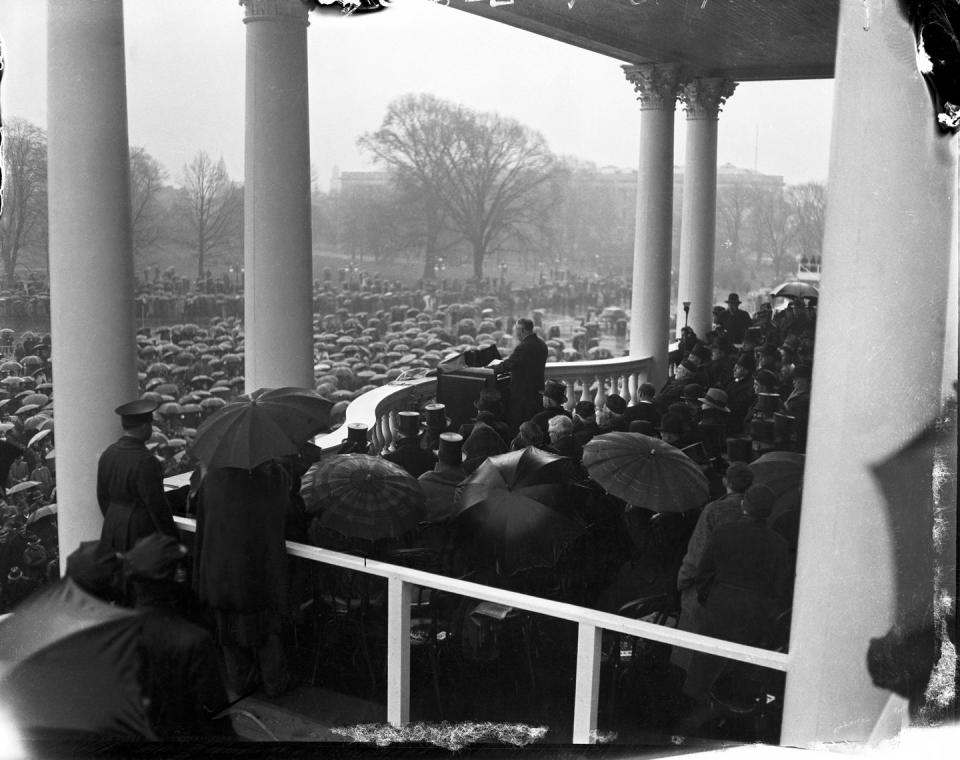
(686, 317)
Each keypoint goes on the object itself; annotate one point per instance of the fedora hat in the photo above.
(733, 298)
(715, 399)
(555, 391)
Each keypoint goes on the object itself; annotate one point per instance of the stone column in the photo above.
(656, 86)
(91, 265)
(878, 366)
(702, 99)
(278, 309)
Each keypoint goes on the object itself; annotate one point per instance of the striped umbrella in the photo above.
(363, 496)
(646, 472)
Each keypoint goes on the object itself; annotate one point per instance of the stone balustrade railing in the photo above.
(587, 380)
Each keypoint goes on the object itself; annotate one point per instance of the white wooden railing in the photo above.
(588, 380)
(590, 623)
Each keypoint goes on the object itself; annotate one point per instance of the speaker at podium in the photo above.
(461, 377)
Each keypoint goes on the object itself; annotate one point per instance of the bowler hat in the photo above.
(408, 424)
(555, 391)
(692, 392)
(585, 409)
(616, 404)
(733, 298)
(715, 399)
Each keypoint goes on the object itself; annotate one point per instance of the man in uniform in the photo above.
(130, 483)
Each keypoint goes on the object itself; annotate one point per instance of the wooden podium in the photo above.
(460, 380)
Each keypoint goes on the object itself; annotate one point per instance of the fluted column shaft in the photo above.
(656, 87)
(702, 99)
(277, 238)
(91, 265)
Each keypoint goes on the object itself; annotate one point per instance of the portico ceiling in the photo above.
(744, 40)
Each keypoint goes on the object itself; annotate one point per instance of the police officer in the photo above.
(130, 483)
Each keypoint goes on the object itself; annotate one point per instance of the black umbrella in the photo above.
(511, 511)
(71, 663)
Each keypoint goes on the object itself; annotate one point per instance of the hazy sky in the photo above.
(185, 75)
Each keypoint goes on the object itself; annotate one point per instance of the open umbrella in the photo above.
(69, 662)
(267, 424)
(510, 511)
(645, 472)
(798, 289)
(782, 472)
(363, 496)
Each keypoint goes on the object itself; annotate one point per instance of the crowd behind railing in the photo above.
(734, 395)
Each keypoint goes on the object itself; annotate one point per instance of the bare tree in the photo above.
(476, 173)
(147, 176)
(809, 206)
(214, 207)
(23, 222)
(774, 228)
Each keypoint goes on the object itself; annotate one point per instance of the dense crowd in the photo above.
(733, 395)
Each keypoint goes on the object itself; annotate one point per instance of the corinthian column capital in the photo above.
(656, 84)
(704, 98)
(274, 10)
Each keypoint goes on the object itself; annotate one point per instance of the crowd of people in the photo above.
(733, 394)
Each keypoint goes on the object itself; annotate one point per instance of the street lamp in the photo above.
(686, 315)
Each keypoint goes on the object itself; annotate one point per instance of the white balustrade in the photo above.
(591, 624)
(585, 381)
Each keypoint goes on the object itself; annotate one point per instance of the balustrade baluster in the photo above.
(398, 651)
(586, 696)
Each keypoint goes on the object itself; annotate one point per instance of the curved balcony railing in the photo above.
(586, 380)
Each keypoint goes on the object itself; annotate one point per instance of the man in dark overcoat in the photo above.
(130, 483)
(526, 367)
(240, 570)
(407, 452)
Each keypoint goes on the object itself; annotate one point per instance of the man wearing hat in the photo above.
(554, 395)
(728, 508)
(407, 452)
(526, 367)
(585, 425)
(746, 580)
(183, 681)
(740, 393)
(673, 388)
(440, 483)
(130, 483)
(735, 321)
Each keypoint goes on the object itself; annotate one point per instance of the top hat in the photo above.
(357, 433)
(436, 418)
(715, 399)
(555, 391)
(408, 424)
(451, 448)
